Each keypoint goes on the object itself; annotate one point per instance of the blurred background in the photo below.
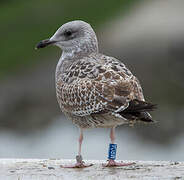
(147, 35)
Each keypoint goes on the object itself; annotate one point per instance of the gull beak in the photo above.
(44, 43)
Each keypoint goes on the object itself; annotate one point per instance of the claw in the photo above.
(112, 163)
(79, 164)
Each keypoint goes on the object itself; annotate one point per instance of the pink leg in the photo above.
(80, 163)
(111, 162)
(112, 135)
(80, 141)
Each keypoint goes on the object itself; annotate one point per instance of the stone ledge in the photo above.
(43, 169)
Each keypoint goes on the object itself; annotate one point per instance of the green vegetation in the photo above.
(24, 23)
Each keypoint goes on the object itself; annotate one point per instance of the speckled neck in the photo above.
(76, 50)
(81, 47)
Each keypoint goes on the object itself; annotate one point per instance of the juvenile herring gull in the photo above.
(94, 90)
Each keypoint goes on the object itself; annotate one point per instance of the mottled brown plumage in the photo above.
(94, 90)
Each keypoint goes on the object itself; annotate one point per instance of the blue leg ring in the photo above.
(112, 151)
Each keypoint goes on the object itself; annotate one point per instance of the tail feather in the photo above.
(138, 110)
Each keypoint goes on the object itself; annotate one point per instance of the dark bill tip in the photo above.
(44, 43)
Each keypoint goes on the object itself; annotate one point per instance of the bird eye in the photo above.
(68, 33)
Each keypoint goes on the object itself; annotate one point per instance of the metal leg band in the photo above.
(79, 159)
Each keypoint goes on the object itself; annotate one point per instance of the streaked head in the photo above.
(73, 36)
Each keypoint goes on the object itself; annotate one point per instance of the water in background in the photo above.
(60, 140)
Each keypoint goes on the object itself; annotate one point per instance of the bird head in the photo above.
(73, 36)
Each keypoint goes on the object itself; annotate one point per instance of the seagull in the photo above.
(94, 90)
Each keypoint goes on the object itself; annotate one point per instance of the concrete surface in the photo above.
(37, 169)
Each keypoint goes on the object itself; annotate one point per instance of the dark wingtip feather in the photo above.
(139, 110)
(140, 106)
